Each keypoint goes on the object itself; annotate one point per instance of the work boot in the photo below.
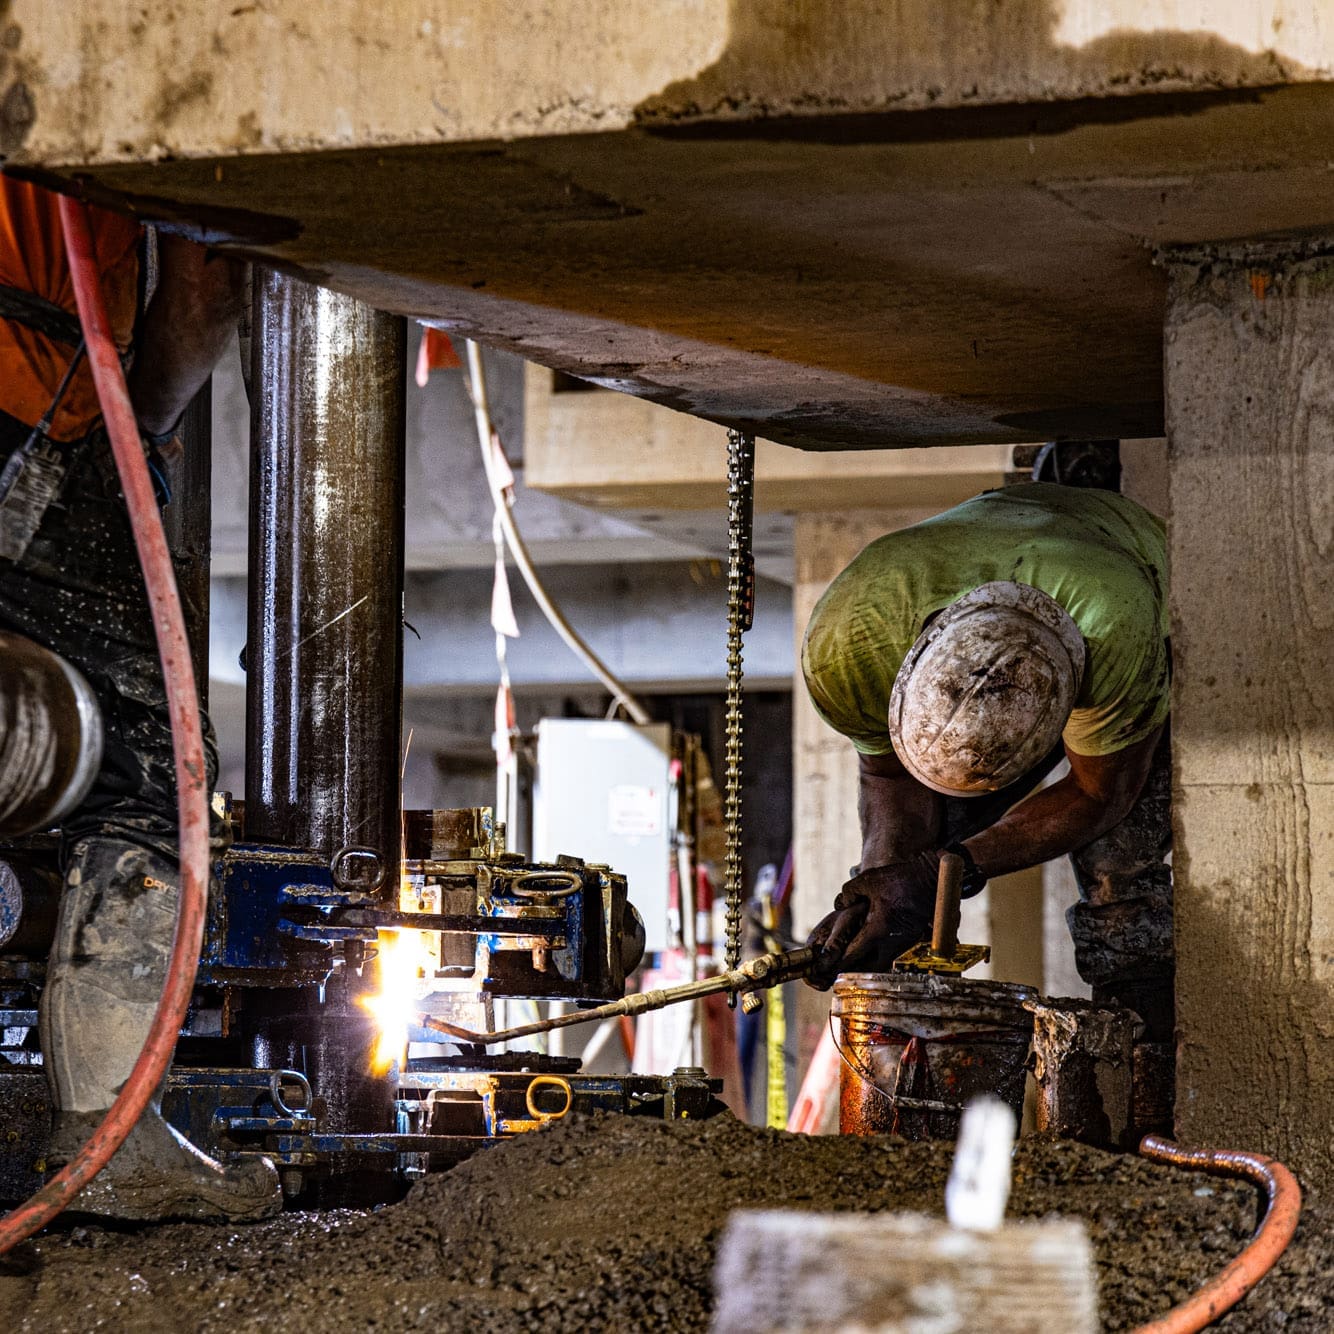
(1153, 1089)
(104, 978)
(157, 1174)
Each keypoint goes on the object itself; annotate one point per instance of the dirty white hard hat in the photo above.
(984, 693)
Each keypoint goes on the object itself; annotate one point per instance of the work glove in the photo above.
(877, 915)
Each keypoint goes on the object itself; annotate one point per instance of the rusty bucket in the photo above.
(916, 1047)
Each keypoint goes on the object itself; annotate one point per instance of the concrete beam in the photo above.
(1250, 396)
(654, 625)
(112, 81)
(766, 220)
(673, 461)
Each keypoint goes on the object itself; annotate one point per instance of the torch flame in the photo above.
(404, 964)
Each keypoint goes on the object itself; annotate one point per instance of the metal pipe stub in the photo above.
(949, 895)
(943, 953)
(50, 737)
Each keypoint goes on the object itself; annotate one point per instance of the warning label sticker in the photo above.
(634, 811)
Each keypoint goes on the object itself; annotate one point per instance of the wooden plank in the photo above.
(901, 1274)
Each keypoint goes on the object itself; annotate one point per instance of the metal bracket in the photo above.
(923, 959)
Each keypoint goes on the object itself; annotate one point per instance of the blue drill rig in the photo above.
(318, 867)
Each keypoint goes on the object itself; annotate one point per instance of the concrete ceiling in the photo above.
(797, 218)
(910, 278)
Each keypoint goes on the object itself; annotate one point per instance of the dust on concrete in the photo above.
(611, 1223)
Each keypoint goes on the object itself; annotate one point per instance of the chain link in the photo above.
(740, 615)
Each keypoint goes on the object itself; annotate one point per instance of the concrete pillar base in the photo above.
(1250, 415)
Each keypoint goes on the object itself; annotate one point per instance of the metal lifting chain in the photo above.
(740, 615)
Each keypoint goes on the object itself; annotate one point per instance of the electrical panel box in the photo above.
(603, 792)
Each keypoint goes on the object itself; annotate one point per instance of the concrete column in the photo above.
(1060, 891)
(1145, 474)
(1250, 419)
(826, 837)
(1015, 927)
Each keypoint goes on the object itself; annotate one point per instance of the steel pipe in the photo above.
(325, 649)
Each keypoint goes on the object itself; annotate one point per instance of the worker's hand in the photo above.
(830, 940)
(877, 915)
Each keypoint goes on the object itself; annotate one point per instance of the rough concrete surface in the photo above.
(917, 277)
(611, 1224)
(844, 223)
(112, 80)
(1250, 389)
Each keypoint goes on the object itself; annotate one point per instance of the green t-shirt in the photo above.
(1099, 555)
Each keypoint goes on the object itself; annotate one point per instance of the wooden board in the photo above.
(901, 1274)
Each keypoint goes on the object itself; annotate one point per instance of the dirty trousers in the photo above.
(1122, 925)
(78, 590)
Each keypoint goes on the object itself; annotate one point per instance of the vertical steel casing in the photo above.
(325, 652)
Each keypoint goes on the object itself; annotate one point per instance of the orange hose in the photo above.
(1231, 1284)
(187, 745)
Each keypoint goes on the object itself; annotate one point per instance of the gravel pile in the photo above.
(610, 1223)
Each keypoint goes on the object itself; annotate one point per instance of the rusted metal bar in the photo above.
(767, 970)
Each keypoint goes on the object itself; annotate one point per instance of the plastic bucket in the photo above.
(916, 1047)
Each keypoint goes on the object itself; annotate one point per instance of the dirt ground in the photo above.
(611, 1223)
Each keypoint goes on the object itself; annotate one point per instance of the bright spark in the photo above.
(404, 964)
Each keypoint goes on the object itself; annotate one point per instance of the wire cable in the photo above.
(486, 438)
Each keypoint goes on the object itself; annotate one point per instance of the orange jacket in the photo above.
(32, 257)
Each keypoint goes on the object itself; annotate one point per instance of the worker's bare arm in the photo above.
(193, 311)
(899, 816)
(1097, 794)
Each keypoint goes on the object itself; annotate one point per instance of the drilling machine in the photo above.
(318, 870)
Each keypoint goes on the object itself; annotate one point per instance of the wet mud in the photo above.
(611, 1223)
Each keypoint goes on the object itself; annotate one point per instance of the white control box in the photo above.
(603, 792)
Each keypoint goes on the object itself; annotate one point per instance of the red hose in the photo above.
(1231, 1284)
(186, 738)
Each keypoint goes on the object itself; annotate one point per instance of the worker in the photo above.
(965, 657)
(70, 581)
